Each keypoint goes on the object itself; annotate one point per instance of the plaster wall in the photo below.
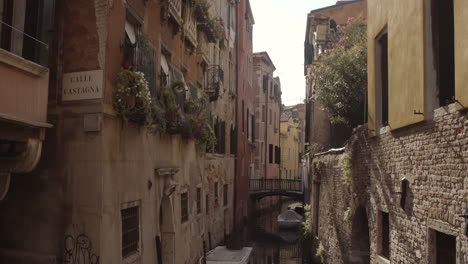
(404, 22)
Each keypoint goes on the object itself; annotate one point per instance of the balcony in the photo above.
(190, 26)
(175, 11)
(24, 89)
(203, 49)
(215, 79)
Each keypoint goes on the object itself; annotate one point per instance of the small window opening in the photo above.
(403, 193)
(130, 231)
(199, 200)
(216, 196)
(382, 71)
(442, 16)
(270, 153)
(225, 194)
(384, 245)
(445, 248)
(183, 207)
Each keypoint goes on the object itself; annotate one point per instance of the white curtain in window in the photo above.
(130, 31)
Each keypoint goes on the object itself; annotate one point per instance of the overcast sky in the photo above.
(280, 30)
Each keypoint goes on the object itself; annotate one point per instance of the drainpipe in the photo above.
(236, 160)
(267, 146)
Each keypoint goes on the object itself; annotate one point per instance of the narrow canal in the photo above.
(273, 244)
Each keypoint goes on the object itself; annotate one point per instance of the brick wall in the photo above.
(432, 156)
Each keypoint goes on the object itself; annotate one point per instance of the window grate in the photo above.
(184, 207)
(130, 231)
(198, 200)
(225, 194)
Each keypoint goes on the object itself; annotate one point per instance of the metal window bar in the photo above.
(215, 79)
(130, 231)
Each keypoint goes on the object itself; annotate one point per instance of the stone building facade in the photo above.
(292, 123)
(244, 142)
(109, 191)
(398, 192)
(321, 33)
(267, 111)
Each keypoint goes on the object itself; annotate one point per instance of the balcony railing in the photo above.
(175, 10)
(203, 48)
(190, 27)
(215, 79)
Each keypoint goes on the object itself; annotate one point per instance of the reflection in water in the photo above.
(273, 245)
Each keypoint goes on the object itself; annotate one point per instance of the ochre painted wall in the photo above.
(404, 22)
(461, 52)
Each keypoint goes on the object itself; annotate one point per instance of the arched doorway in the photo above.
(166, 243)
(360, 242)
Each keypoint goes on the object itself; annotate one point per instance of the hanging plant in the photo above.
(132, 99)
(172, 113)
(198, 125)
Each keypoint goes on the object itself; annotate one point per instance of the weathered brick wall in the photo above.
(433, 157)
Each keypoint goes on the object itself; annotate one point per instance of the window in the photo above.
(248, 125)
(243, 116)
(270, 153)
(262, 149)
(225, 194)
(198, 200)
(184, 207)
(270, 116)
(32, 17)
(252, 119)
(442, 16)
(233, 140)
(145, 54)
(265, 83)
(220, 133)
(263, 113)
(207, 204)
(277, 155)
(384, 235)
(216, 196)
(444, 250)
(129, 45)
(274, 119)
(130, 231)
(382, 85)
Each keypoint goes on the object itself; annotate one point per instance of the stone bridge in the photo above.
(260, 188)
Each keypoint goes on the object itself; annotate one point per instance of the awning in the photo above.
(164, 65)
(19, 121)
(130, 31)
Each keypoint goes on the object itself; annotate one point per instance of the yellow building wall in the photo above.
(461, 52)
(289, 162)
(404, 22)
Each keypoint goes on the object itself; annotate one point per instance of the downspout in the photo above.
(236, 160)
(267, 146)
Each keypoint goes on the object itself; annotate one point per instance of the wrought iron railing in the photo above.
(273, 185)
(215, 79)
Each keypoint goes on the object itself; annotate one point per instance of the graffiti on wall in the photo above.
(79, 250)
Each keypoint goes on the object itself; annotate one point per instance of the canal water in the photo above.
(272, 245)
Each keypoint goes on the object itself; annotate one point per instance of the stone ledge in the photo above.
(382, 260)
(22, 64)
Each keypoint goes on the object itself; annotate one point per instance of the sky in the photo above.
(280, 30)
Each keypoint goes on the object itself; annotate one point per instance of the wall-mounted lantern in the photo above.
(404, 185)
